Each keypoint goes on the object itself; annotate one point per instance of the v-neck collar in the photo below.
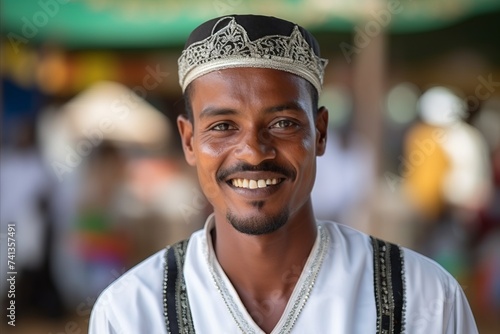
(297, 300)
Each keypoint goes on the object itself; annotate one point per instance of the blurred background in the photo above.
(93, 177)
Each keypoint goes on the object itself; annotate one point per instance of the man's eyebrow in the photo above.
(214, 111)
(291, 106)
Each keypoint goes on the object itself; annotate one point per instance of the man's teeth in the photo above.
(253, 184)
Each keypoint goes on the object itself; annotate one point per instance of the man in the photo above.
(263, 263)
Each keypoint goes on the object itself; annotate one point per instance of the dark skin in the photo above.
(252, 116)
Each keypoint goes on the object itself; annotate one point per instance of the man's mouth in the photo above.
(254, 184)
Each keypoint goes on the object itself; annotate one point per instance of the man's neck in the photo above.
(264, 269)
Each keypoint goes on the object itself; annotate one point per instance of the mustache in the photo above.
(265, 166)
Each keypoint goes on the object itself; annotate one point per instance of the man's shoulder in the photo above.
(423, 269)
(146, 276)
(133, 301)
(346, 237)
(143, 277)
(415, 264)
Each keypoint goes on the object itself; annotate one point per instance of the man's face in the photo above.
(254, 141)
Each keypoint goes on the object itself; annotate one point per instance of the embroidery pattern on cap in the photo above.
(231, 47)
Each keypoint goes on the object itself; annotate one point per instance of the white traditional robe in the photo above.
(341, 301)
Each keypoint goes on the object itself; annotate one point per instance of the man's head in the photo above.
(253, 129)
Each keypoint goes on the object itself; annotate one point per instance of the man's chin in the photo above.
(258, 224)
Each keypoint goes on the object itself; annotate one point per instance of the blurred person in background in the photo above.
(446, 177)
(100, 240)
(25, 197)
(263, 263)
(160, 202)
(345, 170)
(118, 191)
(488, 122)
(487, 233)
(56, 136)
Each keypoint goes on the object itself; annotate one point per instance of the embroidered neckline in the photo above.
(297, 301)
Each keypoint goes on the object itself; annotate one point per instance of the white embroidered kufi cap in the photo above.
(251, 41)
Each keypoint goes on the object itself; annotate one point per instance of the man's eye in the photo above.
(283, 124)
(223, 127)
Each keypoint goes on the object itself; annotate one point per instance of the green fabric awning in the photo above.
(160, 23)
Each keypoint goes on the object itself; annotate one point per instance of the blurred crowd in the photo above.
(93, 176)
(439, 189)
(88, 205)
(90, 201)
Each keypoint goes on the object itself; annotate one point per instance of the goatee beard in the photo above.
(258, 225)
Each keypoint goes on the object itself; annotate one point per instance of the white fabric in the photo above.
(342, 301)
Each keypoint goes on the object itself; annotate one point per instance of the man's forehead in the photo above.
(230, 91)
(250, 76)
(251, 41)
(248, 80)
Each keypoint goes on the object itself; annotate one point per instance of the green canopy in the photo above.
(155, 23)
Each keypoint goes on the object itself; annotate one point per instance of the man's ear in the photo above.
(321, 130)
(186, 130)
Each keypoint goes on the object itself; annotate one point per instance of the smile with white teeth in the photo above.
(253, 184)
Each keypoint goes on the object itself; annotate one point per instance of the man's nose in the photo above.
(255, 147)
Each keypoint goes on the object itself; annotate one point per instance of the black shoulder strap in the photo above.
(388, 271)
(175, 299)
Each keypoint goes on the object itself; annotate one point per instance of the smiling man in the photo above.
(263, 263)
